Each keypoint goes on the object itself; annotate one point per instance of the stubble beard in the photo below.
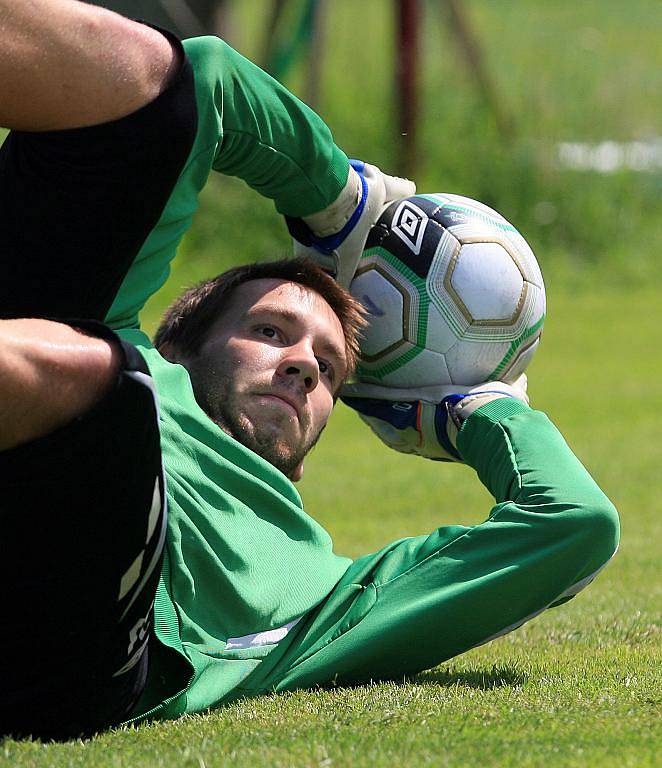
(219, 402)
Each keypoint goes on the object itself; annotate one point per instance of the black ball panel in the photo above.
(410, 230)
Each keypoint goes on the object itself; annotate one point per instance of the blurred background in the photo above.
(547, 111)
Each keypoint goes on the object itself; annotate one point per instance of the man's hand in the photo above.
(336, 236)
(408, 421)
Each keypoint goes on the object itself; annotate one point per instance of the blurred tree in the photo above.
(289, 37)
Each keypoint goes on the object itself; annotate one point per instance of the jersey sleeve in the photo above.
(540, 486)
(248, 126)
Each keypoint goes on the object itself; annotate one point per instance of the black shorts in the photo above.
(83, 529)
(82, 521)
(77, 205)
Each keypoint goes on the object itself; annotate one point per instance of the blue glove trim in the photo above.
(489, 392)
(303, 234)
(441, 416)
(404, 415)
(398, 415)
(331, 242)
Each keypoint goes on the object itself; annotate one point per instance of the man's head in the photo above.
(267, 347)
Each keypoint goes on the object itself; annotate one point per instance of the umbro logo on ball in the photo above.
(409, 223)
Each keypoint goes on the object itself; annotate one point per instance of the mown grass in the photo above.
(579, 686)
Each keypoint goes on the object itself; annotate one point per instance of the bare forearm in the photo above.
(49, 375)
(66, 64)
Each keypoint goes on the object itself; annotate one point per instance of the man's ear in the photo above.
(297, 473)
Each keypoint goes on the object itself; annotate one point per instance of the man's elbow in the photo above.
(592, 541)
(602, 530)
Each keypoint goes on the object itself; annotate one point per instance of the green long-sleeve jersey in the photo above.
(238, 539)
(242, 557)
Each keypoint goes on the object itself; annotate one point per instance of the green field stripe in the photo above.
(514, 345)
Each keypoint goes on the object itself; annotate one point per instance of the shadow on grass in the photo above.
(497, 677)
(486, 680)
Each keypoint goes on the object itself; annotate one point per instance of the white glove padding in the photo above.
(408, 422)
(335, 237)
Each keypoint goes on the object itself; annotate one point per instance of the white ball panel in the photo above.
(539, 303)
(525, 257)
(440, 336)
(472, 362)
(427, 368)
(447, 249)
(487, 281)
(520, 362)
(385, 306)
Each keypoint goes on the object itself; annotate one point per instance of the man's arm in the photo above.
(251, 127)
(545, 497)
(66, 64)
(76, 205)
(50, 373)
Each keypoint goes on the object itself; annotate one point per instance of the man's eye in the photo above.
(325, 368)
(268, 331)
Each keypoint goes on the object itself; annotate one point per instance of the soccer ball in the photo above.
(453, 292)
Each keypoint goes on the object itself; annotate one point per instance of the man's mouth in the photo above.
(286, 402)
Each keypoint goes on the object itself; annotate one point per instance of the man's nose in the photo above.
(300, 364)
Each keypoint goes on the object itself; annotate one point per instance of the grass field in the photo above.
(580, 685)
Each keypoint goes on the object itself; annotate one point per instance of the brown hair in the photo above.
(186, 322)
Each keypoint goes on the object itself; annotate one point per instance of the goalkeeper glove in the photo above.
(335, 237)
(408, 422)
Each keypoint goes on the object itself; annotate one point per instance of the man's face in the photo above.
(269, 369)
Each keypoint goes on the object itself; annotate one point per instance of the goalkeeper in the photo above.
(156, 557)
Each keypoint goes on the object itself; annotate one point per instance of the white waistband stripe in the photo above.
(269, 637)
